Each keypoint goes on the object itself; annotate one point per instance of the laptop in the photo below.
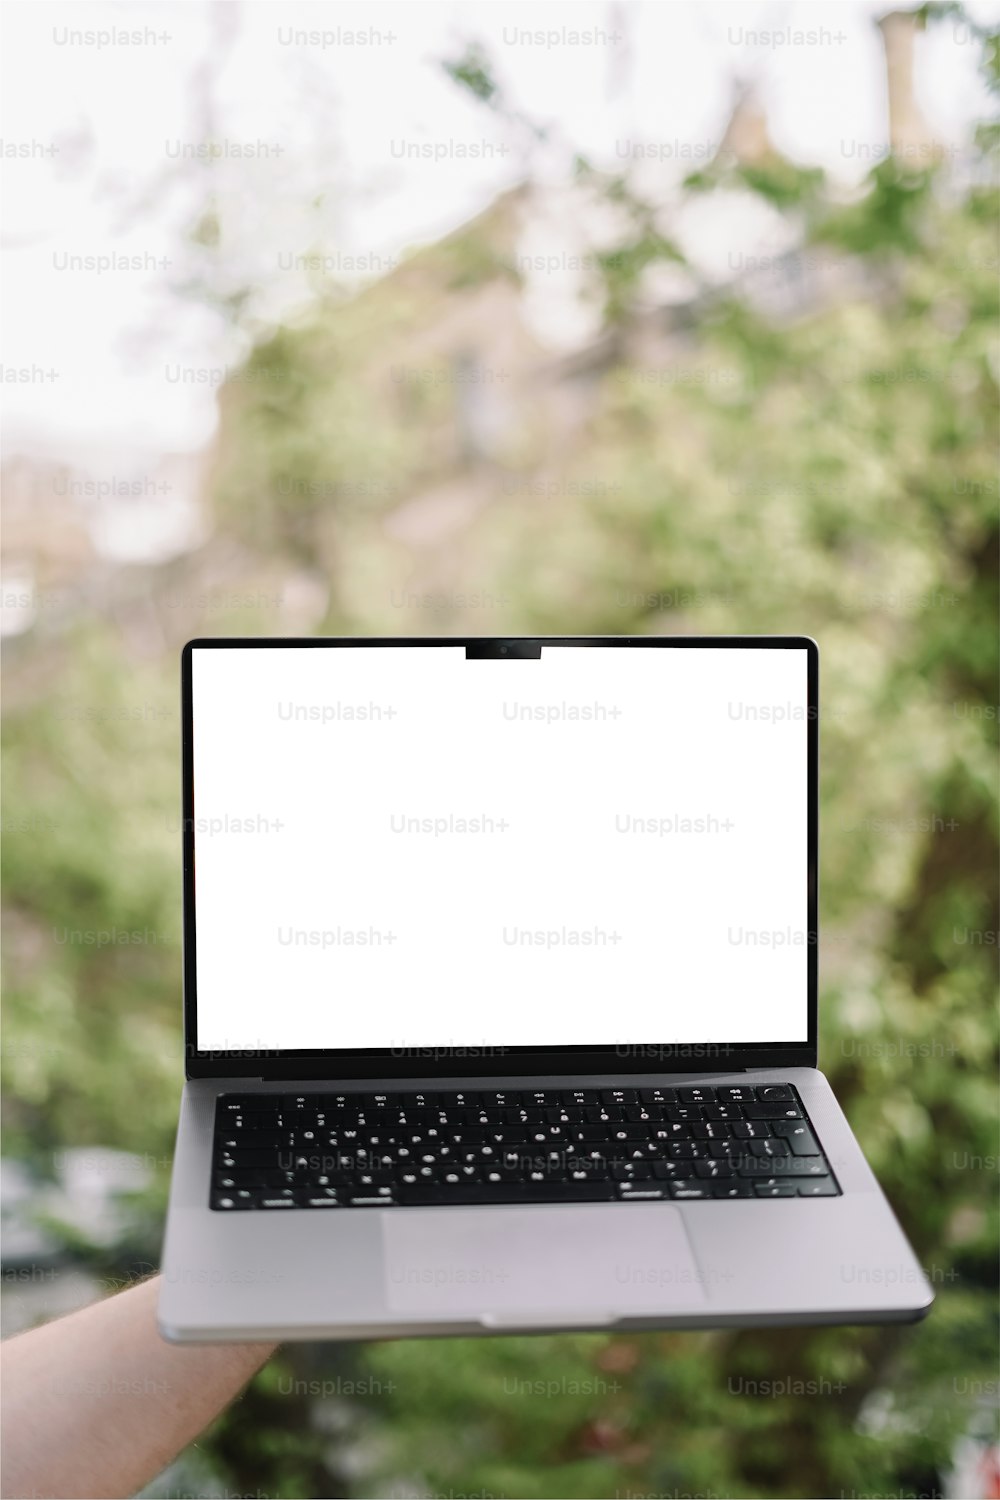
(500, 994)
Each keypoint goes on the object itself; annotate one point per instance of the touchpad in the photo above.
(592, 1263)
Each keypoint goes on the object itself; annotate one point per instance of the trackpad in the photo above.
(592, 1263)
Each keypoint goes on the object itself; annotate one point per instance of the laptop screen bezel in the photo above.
(639, 1057)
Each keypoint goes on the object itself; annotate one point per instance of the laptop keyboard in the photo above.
(324, 1151)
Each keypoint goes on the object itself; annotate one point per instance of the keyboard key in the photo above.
(669, 1168)
(682, 1189)
(507, 1192)
(640, 1191)
(696, 1095)
(658, 1096)
(738, 1094)
(732, 1190)
(775, 1111)
(772, 1091)
(776, 1190)
(713, 1169)
(798, 1135)
(619, 1096)
(818, 1187)
(773, 1146)
(610, 1112)
(730, 1111)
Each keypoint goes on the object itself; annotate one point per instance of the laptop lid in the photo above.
(499, 856)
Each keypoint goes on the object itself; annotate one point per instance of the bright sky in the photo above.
(98, 140)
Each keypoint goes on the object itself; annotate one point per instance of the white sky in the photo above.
(341, 114)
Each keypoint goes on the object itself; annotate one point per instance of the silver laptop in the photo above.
(501, 996)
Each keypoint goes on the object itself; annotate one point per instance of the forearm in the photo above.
(98, 1403)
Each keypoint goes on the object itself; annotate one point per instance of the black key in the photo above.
(713, 1169)
(582, 1096)
(739, 1094)
(687, 1150)
(541, 1098)
(258, 1140)
(588, 1172)
(712, 1130)
(696, 1095)
(801, 1166)
(683, 1112)
(784, 1166)
(229, 1201)
(565, 1114)
(731, 1111)
(250, 1159)
(506, 1192)
(774, 1091)
(818, 1187)
(643, 1112)
(732, 1189)
(463, 1099)
(253, 1104)
(619, 1096)
(259, 1120)
(658, 1096)
(751, 1130)
(670, 1168)
(524, 1116)
(609, 1112)
(498, 1174)
(775, 1190)
(774, 1146)
(501, 1098)
(640, 1191)
(630, 1171)
(690, 1189)
(592, 1132)
(776, 1111)
(799, 1137)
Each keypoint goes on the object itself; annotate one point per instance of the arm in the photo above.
(97, 1403)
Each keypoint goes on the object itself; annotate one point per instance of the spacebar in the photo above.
(506, 1192)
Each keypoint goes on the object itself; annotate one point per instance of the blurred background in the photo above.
(473, 319)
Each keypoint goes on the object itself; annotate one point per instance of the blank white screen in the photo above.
(346, 898)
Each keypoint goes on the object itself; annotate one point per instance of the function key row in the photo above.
(509, 1098)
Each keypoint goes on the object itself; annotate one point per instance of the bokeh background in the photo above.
(480, 319)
